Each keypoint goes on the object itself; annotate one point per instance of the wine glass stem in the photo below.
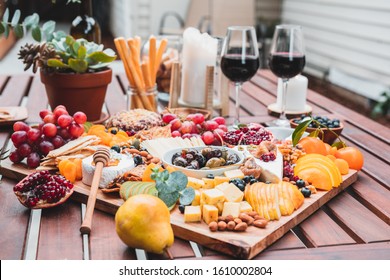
(238, 90)
(284, 100)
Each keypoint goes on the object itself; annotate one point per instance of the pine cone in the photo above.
(36, 55)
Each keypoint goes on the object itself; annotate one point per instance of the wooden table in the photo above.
(353, 225)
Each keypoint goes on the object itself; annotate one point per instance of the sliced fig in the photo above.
(43, 190)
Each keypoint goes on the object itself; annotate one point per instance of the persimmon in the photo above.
(313, 145)
(352, 155)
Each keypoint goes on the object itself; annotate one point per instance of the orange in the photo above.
(317, 177)
(332, 157)
(342, 165)
(330, 150)
(313, 145)
(353, 156)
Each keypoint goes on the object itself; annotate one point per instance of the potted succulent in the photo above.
(75, 72)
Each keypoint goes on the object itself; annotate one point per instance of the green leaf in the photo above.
(36, 33)
(187, 196)
(6, 15)
(18, 29)
(101, 57)
(6, 30)
(75, 48)
(314, 133)
(2, 28)
(69, 40)
(162, 187)
(53, 62)
(31, 20)
(179, 179)
(169, 198)
(82, 52)
(78, 65)
(299, 130)
(99, 65)
(58, 35)
(15, 18)
(49, 26)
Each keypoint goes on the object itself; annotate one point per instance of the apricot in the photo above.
(313, 145)
(342, 165)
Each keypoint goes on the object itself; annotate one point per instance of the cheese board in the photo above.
(242, 245)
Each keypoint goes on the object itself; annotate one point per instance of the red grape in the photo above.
(186, 127)
(33, 135)
(80, 117)
(24, 150)
(211, 125)
(198, 118)
(64, 121)
(64, 133)
(175, 133)
(19, 137)
(57, 141)
(220, 120)
(18, 126)
(75, 130)
(223, 127)
(45, 147)
(208, 137)
(187, 135)
(15, 157)
(43, 113)
(49, 118)
(175, 124)
(33, 160)
(167, 118)
(49, 130)
(58, 107)
(59, 112)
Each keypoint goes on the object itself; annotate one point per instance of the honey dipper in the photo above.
(100, 158)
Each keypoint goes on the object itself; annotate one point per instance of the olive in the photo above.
(252, 181)
(246, 179)
(116, 148)
(136, 143)
(194, 164)
(239, 183)
(306, 192)
(300, 183)
(179, 161)
(200, 159)
(215, 162)
(138, 160)
(182, 208)
(210, 176)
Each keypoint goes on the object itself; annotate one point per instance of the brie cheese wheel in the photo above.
(109, 173)
(272, 170)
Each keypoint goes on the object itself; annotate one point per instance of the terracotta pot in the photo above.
(78, 92)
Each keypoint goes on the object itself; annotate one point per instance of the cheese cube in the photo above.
(236, 173)
(231, 192)
(220, 179)
(210, 213)
(219, 205)
(208, 183)
(212, 196)
(231, 208)
(196, 200)
(192, 214)
(245, 207)
(195, 183)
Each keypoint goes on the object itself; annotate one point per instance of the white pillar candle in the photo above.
(296, 93)
(199, 51)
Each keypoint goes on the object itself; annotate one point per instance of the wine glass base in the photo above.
(279, 123)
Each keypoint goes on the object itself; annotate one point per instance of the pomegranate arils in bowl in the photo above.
(43, 190)
(247, 136)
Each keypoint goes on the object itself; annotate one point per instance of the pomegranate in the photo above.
(43, 190)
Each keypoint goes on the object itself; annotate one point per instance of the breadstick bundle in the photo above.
(141, 74)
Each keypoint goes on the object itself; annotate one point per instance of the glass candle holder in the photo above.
(142, 100)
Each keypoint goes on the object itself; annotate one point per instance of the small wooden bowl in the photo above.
(183, 112)
(329, 137)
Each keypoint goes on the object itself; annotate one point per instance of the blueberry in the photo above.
(246, 179)
(116, 148)
(239, 183)
(306, 192)
(182, 208)
(210, 176)
(113, 131)
(300, 183)
(138, 160)
(241, 187)
(252, 181)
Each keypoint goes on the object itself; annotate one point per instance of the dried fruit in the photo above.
(43, 190)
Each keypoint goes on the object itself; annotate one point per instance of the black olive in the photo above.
(252, 181)
(138, 160)
(210, 176)
(241, 187)
(306, 192)
(246, 179)
(239, 183)
(195, 164)
(300, 183)
(179, 161)
(182, 208)
(116, 148)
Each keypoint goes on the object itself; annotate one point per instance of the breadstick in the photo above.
(138, 42)
(161, 50)
(124, 60)
(152, 58)
(135, 59)
(148, 82)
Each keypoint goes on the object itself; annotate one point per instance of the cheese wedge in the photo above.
(272, 170)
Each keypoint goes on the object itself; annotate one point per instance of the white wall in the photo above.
(348, 38)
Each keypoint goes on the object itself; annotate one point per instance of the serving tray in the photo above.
(241, 245)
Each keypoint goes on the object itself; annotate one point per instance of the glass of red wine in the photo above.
(240, 58)
(286, 60)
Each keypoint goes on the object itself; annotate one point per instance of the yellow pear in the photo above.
(143, 222)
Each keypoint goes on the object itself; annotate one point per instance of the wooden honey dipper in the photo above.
(100, 158)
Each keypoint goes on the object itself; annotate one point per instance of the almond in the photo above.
(231, 225)
(246, 218)
(261, 223)
(222, 225)
(241, 227)
(213, 226)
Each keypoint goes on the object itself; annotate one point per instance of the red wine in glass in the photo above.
(237, 69)
(285, 65)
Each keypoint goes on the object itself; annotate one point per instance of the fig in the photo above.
(42, 190)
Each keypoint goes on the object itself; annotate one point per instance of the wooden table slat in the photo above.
(15, 90)
(37, 100)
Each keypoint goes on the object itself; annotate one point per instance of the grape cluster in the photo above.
(211, 131)
(57, 128)
(247, 136)
(42, 187)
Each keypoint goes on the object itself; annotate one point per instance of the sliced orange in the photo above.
(342, 165)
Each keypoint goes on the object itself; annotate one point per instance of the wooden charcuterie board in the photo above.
(241, 245)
